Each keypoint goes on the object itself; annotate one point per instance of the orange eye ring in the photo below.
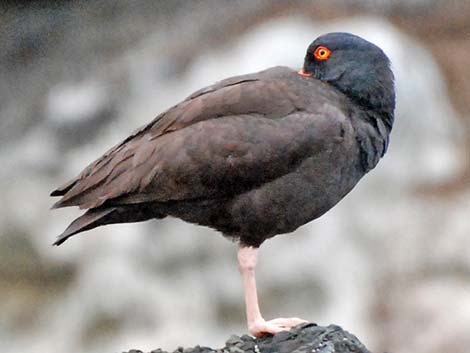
(322, 53)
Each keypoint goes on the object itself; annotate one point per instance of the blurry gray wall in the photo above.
(391, 263)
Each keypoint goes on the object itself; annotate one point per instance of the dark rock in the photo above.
(306, 338)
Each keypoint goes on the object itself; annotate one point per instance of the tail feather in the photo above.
(91, 219)
(62, 190)
(100, 216)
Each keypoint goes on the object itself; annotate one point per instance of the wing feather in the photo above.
(227, 138)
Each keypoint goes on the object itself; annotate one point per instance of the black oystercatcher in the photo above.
(250, 156)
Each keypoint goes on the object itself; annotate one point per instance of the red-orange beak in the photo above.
(303, 73)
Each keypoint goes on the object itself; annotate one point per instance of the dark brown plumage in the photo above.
(251, 156)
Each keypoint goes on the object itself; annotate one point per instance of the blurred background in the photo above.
(391, 263)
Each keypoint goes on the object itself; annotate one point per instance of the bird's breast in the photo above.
(284, 204)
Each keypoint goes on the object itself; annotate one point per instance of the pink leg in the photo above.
(256, 324)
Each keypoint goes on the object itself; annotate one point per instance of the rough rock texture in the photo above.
(301, 339)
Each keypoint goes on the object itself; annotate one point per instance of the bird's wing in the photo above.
(226, 138)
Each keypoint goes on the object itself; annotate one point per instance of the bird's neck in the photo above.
(373, 91)
(373, 134)
(375, 99)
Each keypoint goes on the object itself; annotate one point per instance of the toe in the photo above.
(261, 328)
(288, 322)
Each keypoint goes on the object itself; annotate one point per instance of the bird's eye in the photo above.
(322, 53)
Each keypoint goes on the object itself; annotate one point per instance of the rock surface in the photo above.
(304, 338)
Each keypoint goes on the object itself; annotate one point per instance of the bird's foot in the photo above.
(260, 327)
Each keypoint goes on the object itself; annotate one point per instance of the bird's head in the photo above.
(354, 66)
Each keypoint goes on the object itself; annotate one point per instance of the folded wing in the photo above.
(222, 140)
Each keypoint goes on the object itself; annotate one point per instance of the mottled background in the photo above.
(391, 263)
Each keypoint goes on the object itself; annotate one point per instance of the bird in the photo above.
(251, 156)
